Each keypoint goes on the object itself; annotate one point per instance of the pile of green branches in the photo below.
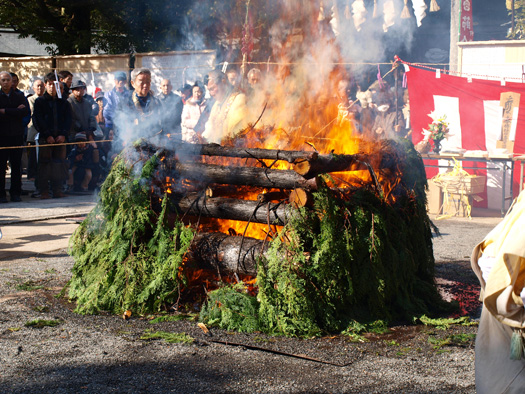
(126, 255)
(351, 258)
(359, 255)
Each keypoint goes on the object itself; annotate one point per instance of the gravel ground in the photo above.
(104, 353)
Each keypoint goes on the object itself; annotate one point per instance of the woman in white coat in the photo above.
(191, 113)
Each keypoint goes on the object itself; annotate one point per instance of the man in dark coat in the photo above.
(13, 108)
(83, 120)
(172, 106)
(52, 119)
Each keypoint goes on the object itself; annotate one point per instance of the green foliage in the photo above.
(41, 323)
(452, 340)
(360, 258)
(353, 260)
(126, 257)
(170, 337)
(355, 329)
(364, 256)
(392, 342)
(112, 26)
(377, 327)
(29, 286)
(445, 323)
(230, 308)
(518, 33)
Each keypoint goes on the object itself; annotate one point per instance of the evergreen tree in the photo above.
(76, 26)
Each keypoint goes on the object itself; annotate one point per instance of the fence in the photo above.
(96, 70)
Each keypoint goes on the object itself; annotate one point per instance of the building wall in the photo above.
(494, 60)
(12, 45)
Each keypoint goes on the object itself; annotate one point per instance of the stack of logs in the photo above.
(210, 182)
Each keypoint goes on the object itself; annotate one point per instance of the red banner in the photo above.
(473, 110)
(466, 26)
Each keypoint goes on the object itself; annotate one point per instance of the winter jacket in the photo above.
(86, 161)
(190, 117)
(82, 117)
(11, 123)
(171, 113)
(138, 117)
(52, 116)
(31, 129)
(113, 99)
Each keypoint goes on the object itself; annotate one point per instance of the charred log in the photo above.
(224, 253)
(272, 196)
(233, 209)
(244, 153)
(251, 176)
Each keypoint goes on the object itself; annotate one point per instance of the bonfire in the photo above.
(297, 225)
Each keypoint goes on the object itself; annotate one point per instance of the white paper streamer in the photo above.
(389, 14)
(57, 86)
(419, 7)
(358, 13)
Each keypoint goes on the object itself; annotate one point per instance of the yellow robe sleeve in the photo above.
(501, 292)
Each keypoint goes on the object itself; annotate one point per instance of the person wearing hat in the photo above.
(83, 119)
(83, 160)
(100, 101)
(114, 96)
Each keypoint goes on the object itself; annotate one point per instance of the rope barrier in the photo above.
(42, 145)
(462, 74)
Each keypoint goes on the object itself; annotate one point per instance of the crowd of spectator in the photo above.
(65, 139)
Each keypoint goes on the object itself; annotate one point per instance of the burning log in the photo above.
(311, 167)
(244, 153)
(233, 209)
(226, 253)
(252, 176)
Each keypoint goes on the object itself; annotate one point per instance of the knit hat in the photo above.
(80, 137)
